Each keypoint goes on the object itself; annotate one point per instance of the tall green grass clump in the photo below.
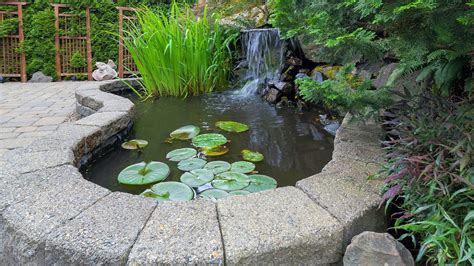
(178, 53)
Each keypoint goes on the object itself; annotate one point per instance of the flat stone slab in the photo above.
(26, 224)
(27, 161)
(180, 233)
(281, 226)
(357, 209)
(103, 234)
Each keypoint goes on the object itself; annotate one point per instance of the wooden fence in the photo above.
(68, 46)
(126, 65)
(12, 57)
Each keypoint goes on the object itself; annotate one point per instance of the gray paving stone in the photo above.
(110, 123)
(351, 204)
(103, 234)
(282, 226)
(358, 151)
(9, 135)
(15, 143)
(53, 120)
(27, 161)
(180, 233)
(357, 135)
(7, 129)
(366, 174)
(26, 224)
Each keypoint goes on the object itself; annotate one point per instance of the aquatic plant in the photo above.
(177, 53)
(218, 167)
(170, 191)
(135, 144)
(252, 156)
(242, 167)
(209, 140)
(185, 133)
(231, 181)
(260, 183)
(232, 126)
(181, 154)
(191, 164)
(144, 173)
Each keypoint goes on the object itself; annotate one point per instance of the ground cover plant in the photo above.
(179, 54)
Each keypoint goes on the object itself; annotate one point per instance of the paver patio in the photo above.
(29, 111)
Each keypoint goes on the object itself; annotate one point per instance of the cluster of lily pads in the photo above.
(212, 180)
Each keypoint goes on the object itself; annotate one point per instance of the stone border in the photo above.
(51, 215)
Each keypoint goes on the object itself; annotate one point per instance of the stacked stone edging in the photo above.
(51, 214)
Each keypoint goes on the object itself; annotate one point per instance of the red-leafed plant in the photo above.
(430, 175)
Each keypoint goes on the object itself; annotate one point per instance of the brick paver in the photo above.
(29, 111)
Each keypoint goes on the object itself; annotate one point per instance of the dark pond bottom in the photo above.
(295, 146)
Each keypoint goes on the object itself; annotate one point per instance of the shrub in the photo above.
(178, 54)
(431, 174)
(345, 93)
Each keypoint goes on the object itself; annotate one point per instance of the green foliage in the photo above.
(9, 26)
(431, 174)
(345, 93)
(78, 60)
(178, 54)
(412, 31)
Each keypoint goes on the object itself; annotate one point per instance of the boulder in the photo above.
(317, 76)
(40, 77)
(105, 71)
(370, 248)
(272, 95)
(383, 75)
(294, 61)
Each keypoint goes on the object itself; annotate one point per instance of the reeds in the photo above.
(177, 53)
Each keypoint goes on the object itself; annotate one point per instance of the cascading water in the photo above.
(263, 50)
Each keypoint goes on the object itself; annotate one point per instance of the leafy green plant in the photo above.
(8, 26)
(179, 54)
(430, 176)
(77, 60)
(339, 93)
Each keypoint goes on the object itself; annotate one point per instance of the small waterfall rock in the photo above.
(105, 71)
(301, 76)
(318, 77)
(370, 248)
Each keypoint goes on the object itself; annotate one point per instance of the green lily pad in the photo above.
(252, 156)
(218, 167)
(143, 174)
(239, 192)
(231, 181)
(135, 144)
(214, 194)
(186, 132)
(209, 140)
(232, 126)
(215, 151)
(181, 154)
(197, 178)
(260, 183)
(191, 164)
(242, 167)
(170, 191)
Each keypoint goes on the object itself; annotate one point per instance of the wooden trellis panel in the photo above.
(126, 65)
(12, 57)
(67, 46)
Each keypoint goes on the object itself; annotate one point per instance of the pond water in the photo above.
(295, 145)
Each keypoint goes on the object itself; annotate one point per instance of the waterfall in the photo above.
(263, 51)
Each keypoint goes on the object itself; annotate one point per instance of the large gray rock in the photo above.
(180, 233)
(40, 77)
(356, 208)
(281, 226)
(370, 248)
(383, 75)
(39, 203)
(102, 234)
(110, 123)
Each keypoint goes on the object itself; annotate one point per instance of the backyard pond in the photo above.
(294, 145)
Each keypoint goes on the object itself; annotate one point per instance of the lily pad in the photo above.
(252, 156)
(215, 151)
(143, 173)
(239, 192)
(232, 126)
(214, 194)
(170, 191)
(242, 167)
(186, 132)
(209, 140)
(181, 154)
(197, 178)
(260, 183)
(231, 181)
(135, 144)
(218, 167)
(191, 164)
